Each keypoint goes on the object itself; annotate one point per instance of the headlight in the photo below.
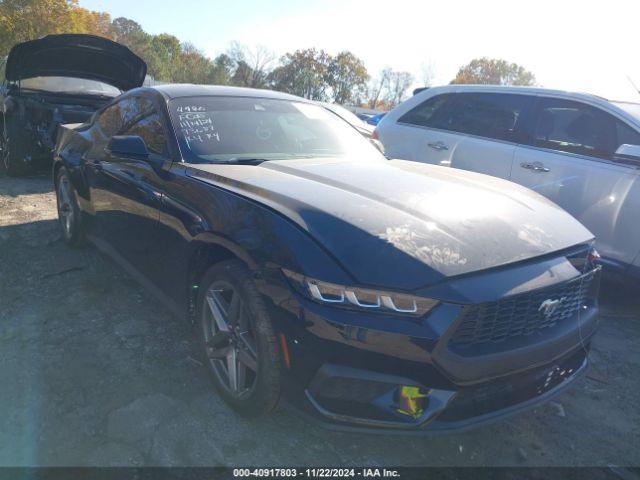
(360, 298)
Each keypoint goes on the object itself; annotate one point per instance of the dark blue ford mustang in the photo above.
(370, 293)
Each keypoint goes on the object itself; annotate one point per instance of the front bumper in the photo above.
(350, 371)
(452, 411)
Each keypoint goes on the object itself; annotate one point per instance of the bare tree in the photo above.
(399, 83)
(253, 64)
(427, 70)
(378, 86)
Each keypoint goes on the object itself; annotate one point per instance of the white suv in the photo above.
(580, 151)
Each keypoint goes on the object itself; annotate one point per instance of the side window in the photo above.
(574, 127)
(626, 134)
(491, 115)
(427, 113)
(143, 120)
(110, 120)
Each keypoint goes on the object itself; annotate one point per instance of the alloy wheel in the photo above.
(230, 342)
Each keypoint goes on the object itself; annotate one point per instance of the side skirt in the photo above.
(138, 276)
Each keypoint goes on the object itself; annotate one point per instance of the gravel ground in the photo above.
(94, 372)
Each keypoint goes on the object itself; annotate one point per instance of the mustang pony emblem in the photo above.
(549, 306)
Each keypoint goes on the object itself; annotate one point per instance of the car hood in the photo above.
(404, 224)
(75, 55)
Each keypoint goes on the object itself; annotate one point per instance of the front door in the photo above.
(473, 131)
(126, 191)
(570, 161)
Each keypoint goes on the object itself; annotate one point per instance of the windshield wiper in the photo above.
(243, 161)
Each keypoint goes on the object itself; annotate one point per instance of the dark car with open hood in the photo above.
(369, 293)
(54, 80)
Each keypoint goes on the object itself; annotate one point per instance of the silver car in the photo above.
(580, 151)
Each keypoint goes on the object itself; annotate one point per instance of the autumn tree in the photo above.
(22, 20)
(223, 68)
(82, 20)
(164, 57)
(192, 66)
(347, 76)
(304, 73)
(130, 33)
(309, 73)
(491, 71)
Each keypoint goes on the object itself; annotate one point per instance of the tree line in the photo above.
(311, 73)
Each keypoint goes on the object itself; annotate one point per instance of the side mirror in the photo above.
(128, 146)
(628, 153)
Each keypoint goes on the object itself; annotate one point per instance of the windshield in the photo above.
(631, 108)
(223, 129)
(69, 85)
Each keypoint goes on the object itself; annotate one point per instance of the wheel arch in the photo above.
(57, 165)
(210, 249)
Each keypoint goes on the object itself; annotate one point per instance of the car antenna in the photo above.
(633, 84)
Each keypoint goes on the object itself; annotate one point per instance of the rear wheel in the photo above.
(237, 340)
(14, 149)
(68, 210)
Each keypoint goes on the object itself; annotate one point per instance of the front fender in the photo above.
(262, 238)
(201, 224)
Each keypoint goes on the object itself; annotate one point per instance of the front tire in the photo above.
(68, 210)
(237, 339)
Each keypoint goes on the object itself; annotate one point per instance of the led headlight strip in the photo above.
(360, 298)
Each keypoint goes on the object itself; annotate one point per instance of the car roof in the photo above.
(512, 89)
(171, 91)
(610, 105)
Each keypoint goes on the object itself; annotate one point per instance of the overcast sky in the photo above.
(573, 45)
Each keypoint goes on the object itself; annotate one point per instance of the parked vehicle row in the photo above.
(580, 151)
(370, 293)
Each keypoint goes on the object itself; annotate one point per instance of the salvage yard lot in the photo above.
(93, 371)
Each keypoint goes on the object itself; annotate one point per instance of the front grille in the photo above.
(520, 315)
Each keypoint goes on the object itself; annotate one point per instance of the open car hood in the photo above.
(76, 55)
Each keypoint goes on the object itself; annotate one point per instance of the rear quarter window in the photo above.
(626, 135)
(425, 114)
(490, 115)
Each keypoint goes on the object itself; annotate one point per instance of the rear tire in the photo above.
(237, 340)
(69, 214)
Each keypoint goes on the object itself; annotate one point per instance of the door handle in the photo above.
(535, 166)
(438, 145)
